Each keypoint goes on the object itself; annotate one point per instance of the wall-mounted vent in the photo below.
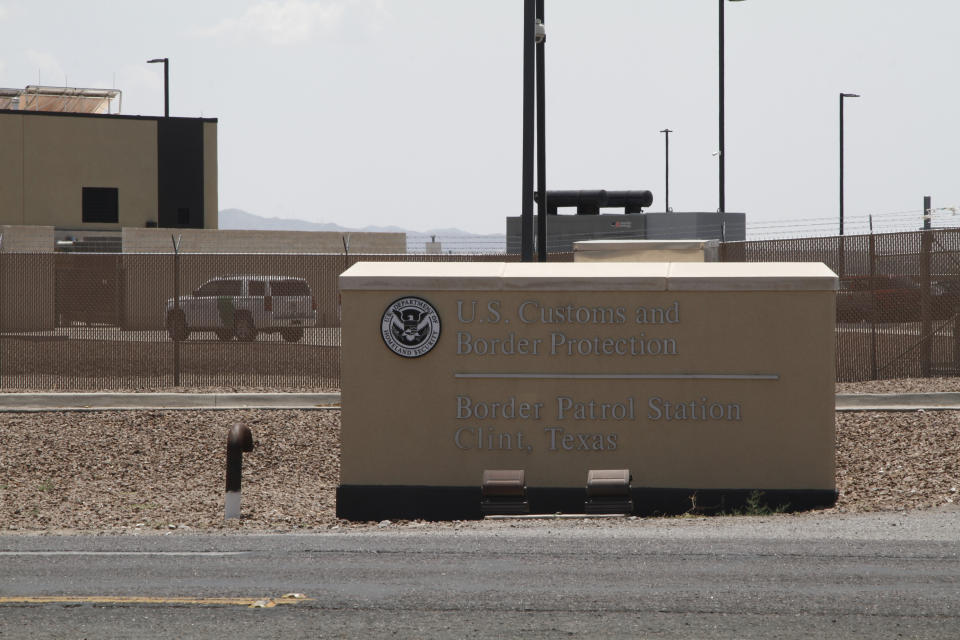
(101, 204)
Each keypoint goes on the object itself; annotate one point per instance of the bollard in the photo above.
(239, 439)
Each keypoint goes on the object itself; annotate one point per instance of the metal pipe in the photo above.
(239, 440)
(176, 307)
(666, 138)
(722, 150)
(166, 88)
(541, 142)
(3, 275)
(166, 84)
(842, 96)
(589, 202)
(841, 164)
(526, 209)
(723, 154)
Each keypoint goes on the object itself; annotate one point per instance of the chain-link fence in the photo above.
(897, 307)
(85, 321)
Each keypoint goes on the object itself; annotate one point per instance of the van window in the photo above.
(289, 288)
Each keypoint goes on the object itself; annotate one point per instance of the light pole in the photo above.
(526, 209)
(842, 96)
(541, 38)
(722, 153)
(666, 139)
(166, 84)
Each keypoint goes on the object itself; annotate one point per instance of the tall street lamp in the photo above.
(722, 152)
(842, 96)
(534, 36)
(666, 139)
(526, 209)
(541, 38)
(166, 84)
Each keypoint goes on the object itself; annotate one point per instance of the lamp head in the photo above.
(849, 95)
(156, 60)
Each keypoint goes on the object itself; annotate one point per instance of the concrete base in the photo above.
(231, 505)
(366, 503)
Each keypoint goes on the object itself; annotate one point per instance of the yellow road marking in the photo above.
(243, 602)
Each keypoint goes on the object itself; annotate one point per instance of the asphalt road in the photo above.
(870, 576)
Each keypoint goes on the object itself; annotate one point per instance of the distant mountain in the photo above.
(451, 239)
(240, 219)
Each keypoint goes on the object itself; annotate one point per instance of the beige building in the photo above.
(66, 162)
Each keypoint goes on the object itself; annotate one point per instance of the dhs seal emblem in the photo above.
(410, 327)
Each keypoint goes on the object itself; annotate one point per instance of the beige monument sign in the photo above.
(715, 380)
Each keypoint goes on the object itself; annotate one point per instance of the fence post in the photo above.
(176, 307)
(841, 256)
(956, 340)
(873, 304)
(926, 325)
(3, 275)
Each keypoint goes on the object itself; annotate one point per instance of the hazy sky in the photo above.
(408, 112)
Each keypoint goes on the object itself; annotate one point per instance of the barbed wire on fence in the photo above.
(98, 321)
(857, 224)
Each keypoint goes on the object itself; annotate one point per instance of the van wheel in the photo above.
(293, 334)
(224, 334)
(244, 328)
(177, 326)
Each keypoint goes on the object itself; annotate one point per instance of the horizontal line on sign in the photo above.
(620, 376)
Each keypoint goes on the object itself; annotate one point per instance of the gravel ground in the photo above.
(160, 470)
(163, 470)
(109, 470)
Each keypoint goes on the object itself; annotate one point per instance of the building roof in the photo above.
(60, 99)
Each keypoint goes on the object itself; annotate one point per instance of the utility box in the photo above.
(564, 230)
(646, 251)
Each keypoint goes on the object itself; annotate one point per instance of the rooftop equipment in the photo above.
(589, 202)
(62, 99)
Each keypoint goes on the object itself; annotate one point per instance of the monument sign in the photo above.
(707, 381)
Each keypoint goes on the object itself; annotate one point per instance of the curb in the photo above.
(898, 401)
(320, 401)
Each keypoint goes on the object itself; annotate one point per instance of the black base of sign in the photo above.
(395, 502)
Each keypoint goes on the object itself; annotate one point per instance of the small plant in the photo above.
(701, 510)
(46, 485)
(757, 507)
(754, 506)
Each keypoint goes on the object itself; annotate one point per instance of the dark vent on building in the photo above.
(101, 204)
